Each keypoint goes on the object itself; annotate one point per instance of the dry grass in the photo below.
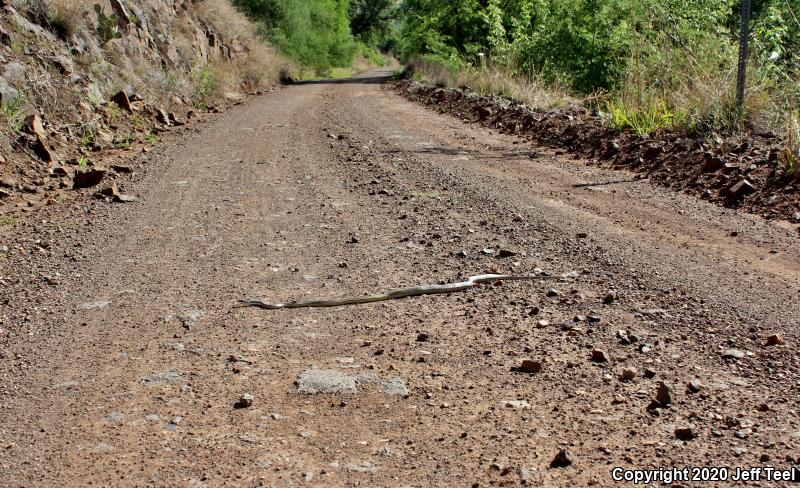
(492, 80)
(120, 65)
(65, 17)
(790, 155)
(257, 64)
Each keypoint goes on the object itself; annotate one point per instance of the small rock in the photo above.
(122, 169)
(529, 366)
(582, 235)
(775, 340)
(649, 373)
(628, 374)
(123, 101)
(42, 151)
(517, 404)
(518, 218)
(712, 163)
(162, 117)
(363, 467)
(108, 191)
(422, 337)
(246, 401)
(694, 386)
(122, 198)
(168, 376)
(563, 459)
(505, 253)
(314, 381)
(33, 124)
(599, 356)
(552, 292)
(526, 475)
(85, 178)
(733, 354)
(685, 433)
(665, 394)
(487, 251)
(115, 417)
(741, 189)
(175, 120)
(796, 216)
(610, 297)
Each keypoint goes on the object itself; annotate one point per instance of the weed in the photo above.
(13, 111)
(8, 221)
(114, 111)
(95, 99)
(126, 142)
(790, 155)
(151, 138)
(83, 161)
(138, 121)
(171, 82)
(87, 138)
(205, 85)
(642, 121)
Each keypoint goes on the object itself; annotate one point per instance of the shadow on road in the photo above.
(475, 153)
(369, 80)
(605, 183)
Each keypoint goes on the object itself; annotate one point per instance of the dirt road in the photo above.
(122, 355)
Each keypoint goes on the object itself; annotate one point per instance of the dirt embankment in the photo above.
(740, 172)
(82, 87)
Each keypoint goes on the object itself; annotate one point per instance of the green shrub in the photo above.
(13, 111)
(107, 26)
(205, 84)
(314, 32)
(658, 57)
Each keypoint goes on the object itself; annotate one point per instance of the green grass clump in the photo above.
(641, 120)
(790, 155)
(13, 111)
(205, 84)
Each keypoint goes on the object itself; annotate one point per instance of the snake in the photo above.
(396, 294)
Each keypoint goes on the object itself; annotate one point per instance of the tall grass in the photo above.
(492, 80)
(790, 156)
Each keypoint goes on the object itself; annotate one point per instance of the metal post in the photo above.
(744, 39)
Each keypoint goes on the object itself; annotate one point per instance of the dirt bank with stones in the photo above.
(738, 172)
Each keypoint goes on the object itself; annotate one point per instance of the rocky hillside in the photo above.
(82, 79)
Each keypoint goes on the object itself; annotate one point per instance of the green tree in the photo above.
(315, 32)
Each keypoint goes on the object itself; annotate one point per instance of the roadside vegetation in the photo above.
(645, 64)
(325, 36)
